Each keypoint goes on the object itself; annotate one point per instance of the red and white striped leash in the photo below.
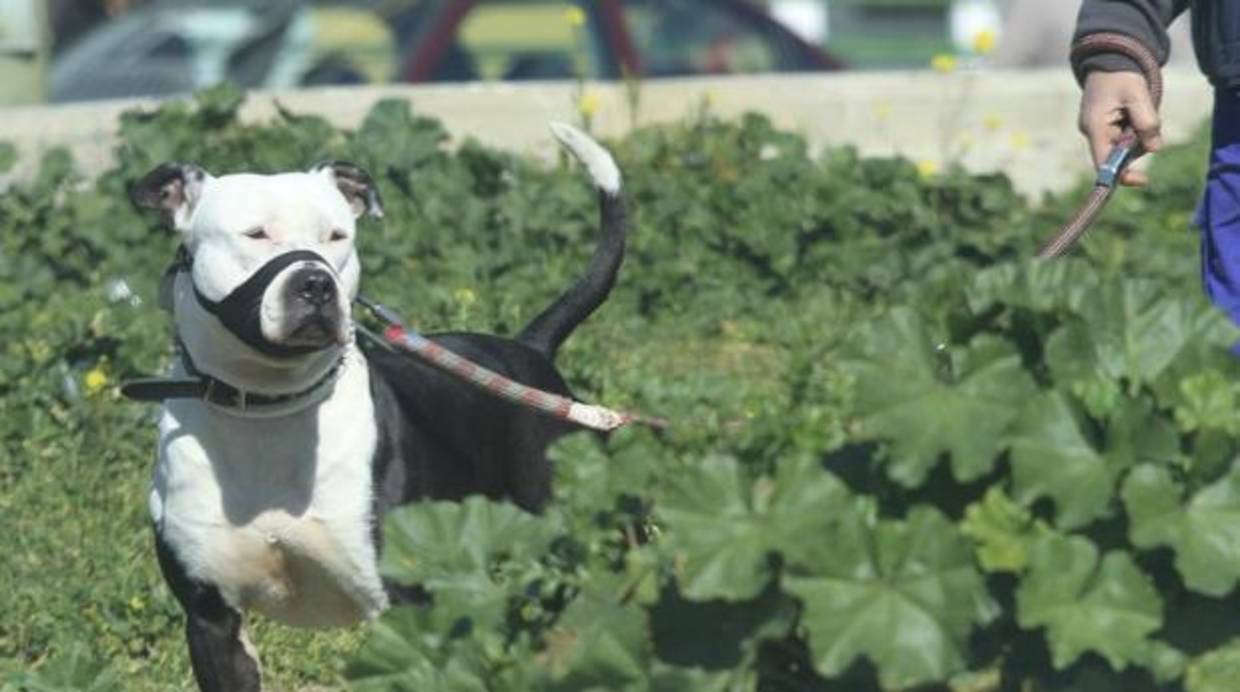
(408, 341)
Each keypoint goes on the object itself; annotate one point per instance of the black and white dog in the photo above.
(282, 443)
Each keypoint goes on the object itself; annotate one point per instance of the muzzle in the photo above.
(241, 310)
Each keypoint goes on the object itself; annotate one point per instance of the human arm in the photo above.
(1115, 93)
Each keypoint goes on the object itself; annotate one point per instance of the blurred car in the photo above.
(481, 39)
(175, 46)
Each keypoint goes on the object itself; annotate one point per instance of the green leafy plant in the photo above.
(903, 457)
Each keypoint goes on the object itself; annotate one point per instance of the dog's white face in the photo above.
(274, 266)
(242, 222)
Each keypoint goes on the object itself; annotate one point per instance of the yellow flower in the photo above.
(882, 111)
(984, 42)
(588, 104)
(943, 62)
(575, 16)
(1020, 140)
(95, 380)
(927, 168)
(992, 122)
(465, 297)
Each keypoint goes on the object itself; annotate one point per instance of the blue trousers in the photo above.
(1218, 216)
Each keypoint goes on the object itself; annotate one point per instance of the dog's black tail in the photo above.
(549, 329)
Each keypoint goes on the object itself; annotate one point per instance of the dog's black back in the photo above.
(442, 438)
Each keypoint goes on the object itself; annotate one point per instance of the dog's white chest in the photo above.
(276, 513)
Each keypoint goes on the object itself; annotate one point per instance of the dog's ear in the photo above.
(171, 188)
(356, 185)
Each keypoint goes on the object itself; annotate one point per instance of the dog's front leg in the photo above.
(220, 655)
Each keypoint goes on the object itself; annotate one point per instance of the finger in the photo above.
(1101, 136)
(1099, 125)
(1145, 121)
(1134, 178)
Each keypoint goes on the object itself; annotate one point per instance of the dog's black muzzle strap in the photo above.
(241, 310)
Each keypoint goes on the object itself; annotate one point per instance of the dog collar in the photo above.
(199, 385)
(218, 392)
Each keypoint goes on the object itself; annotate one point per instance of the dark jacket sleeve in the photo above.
(1144, 20)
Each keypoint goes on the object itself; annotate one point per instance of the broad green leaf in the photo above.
(1129, 330)
(590, 476)
(1033, 285)
(1002, 531)
(1108, 607)
(442, 539)
(1165, 662)
(1208, 402)
(219, 105)
(1215, 671)
(723, 528)
(453, 549)
(1052, 458)
(599, 644)
(1203, 530)
(1136, 432)
(404, 652)
(904, 594)
(927, 405)
(392, 134)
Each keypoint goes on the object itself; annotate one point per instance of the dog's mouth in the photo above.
(318, 328)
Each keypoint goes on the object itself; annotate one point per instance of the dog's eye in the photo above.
(256, 234)
(337, 234)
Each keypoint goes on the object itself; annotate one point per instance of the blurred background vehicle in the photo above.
(173, 46)
(176, 46)
(93, 49)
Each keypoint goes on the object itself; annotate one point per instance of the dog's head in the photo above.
(272, 257)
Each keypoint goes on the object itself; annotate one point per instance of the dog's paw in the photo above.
(591, 154)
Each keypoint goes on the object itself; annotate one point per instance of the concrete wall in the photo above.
(1023, 123)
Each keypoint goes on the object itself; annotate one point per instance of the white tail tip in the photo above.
(591, 154)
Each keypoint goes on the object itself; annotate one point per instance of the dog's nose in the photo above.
(316, 287)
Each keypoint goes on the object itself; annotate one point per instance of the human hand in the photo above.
(1110, 101)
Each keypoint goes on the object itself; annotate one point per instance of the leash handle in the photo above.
(1127, 147)
(1125, 150)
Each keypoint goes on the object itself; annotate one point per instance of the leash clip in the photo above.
(1110, 169)
(379, 310)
